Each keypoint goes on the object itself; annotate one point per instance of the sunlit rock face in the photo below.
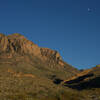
(14, 44)
(17, 43)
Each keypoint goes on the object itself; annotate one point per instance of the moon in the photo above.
(89, 10)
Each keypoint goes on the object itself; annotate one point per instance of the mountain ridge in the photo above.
(30, 72)
(17, 44)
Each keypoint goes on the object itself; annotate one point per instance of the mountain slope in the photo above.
(86, 82)
(85, 76)
(29, 71)
(16, 48)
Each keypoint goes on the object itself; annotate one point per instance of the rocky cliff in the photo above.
(17, 44)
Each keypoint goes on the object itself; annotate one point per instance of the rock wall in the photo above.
(17, 44)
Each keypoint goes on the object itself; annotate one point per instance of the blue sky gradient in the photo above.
(63, 25)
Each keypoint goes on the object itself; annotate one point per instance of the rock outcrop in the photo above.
(17, 43)
(14, 44)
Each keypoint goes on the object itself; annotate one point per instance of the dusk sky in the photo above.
(71, 27)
